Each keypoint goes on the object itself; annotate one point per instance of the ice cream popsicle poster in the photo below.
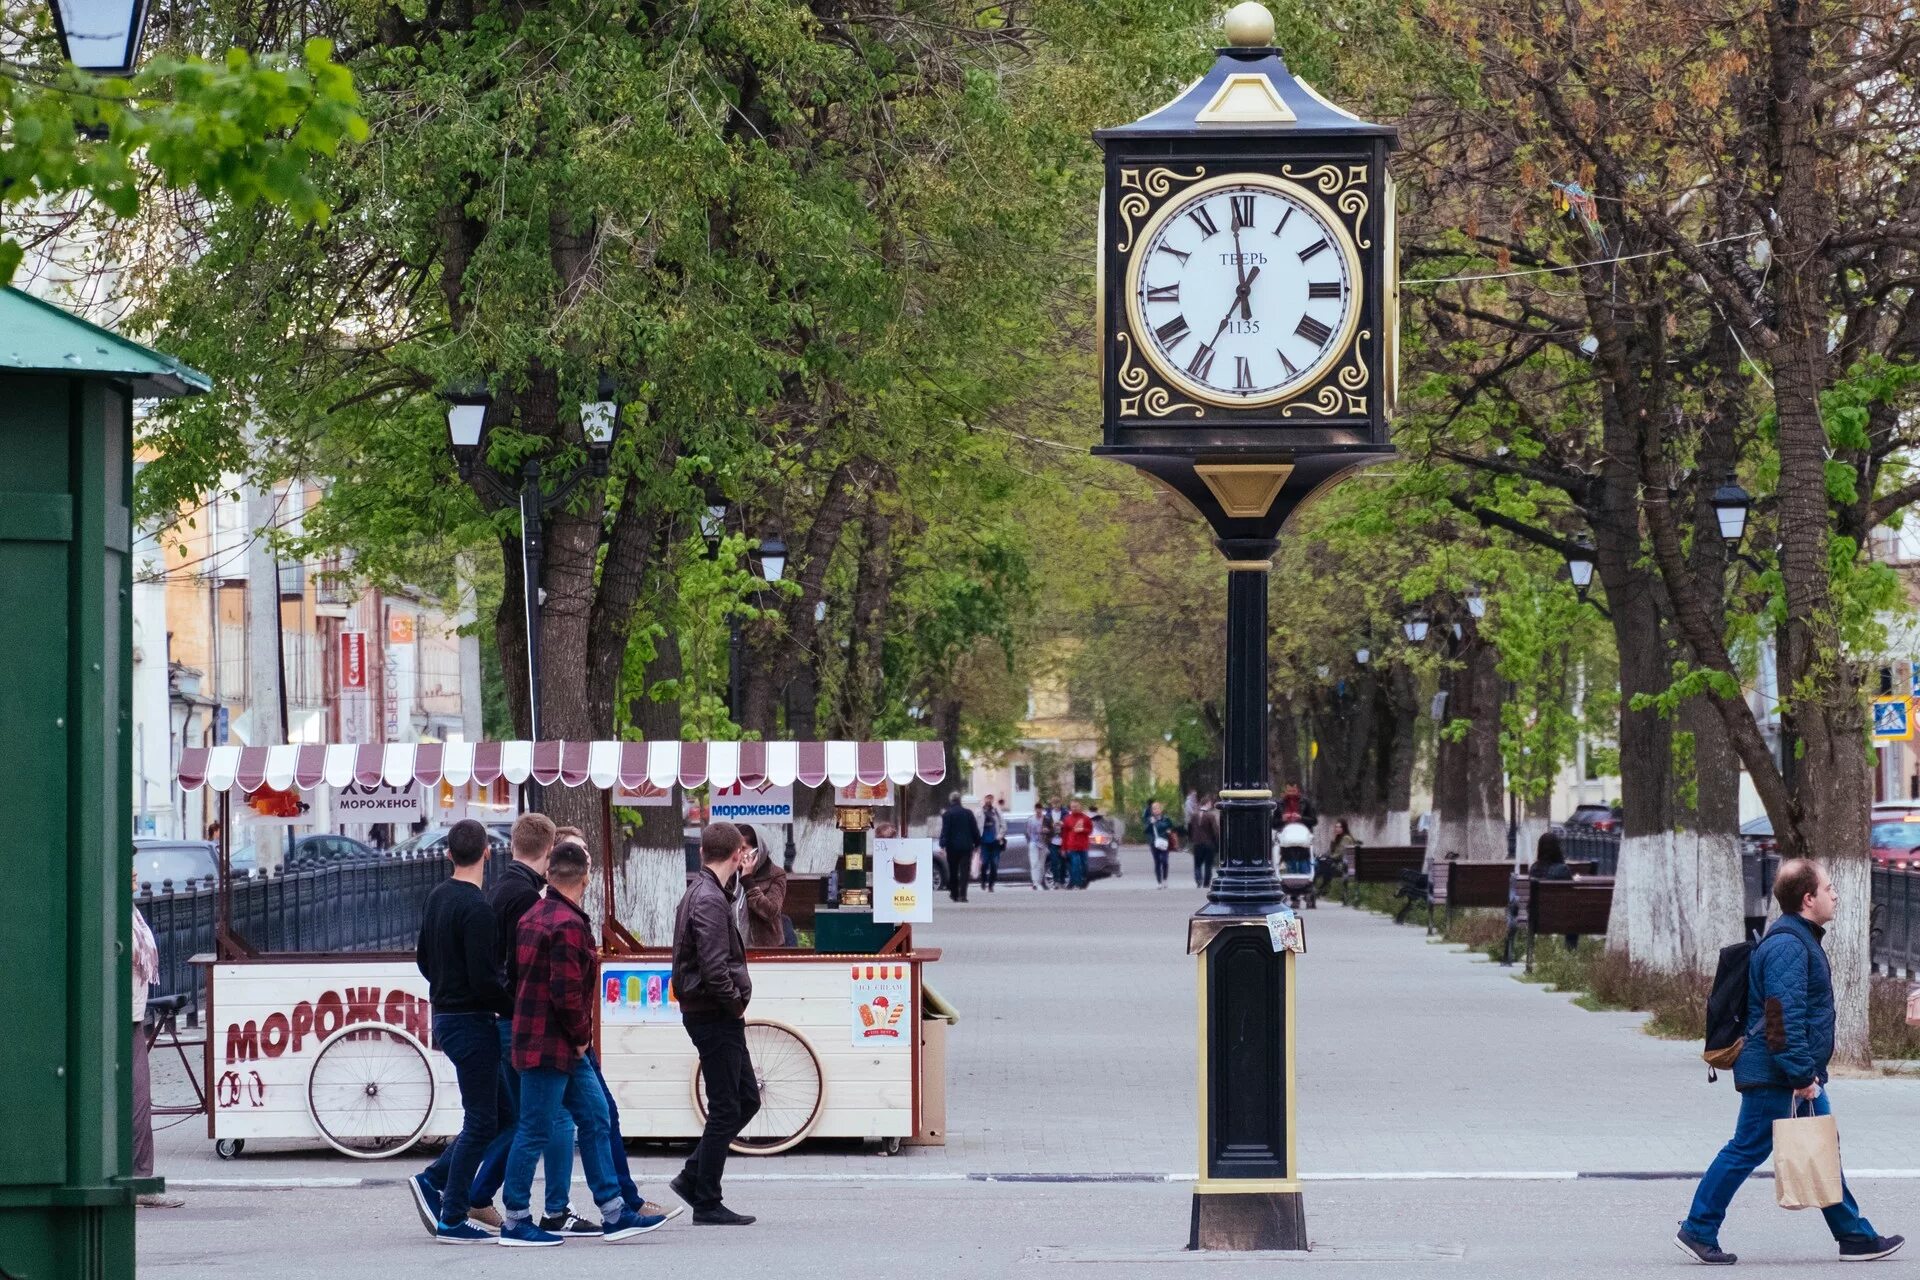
(881, 1002)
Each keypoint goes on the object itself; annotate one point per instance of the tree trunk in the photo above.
(653, 874)
(1468, 790)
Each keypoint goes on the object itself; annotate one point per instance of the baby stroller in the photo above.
(1296, 867)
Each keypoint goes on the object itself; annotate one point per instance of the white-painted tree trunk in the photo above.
(817, 846)
(1677, 899)
(1393, 827)
(1472, 839)
(647, 889)
(1527, 837)
(1848, 952)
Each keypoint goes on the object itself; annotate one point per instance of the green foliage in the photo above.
(245, 130)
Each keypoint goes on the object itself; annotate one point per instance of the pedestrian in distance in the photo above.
(1076, 837)
(146, 970)
(1782, 1062)
(513, 894)
(1206, 842)
(959, 837)
(1159, 833)
(1039, 837)
(993, 842)
(710, 977)
(1326, 870)
(1550, 863)
(1294, 807)
(456, 955)
(553, 1013)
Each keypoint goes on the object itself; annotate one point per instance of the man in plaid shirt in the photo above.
(552, 1035)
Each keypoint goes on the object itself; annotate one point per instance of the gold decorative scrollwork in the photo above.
(1157, 182)
(1156, 403)
(1341, 395)
(1349, 190)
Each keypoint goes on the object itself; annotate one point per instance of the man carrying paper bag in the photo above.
(1783, 1063)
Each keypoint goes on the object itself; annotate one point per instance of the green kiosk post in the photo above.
(66, 1169)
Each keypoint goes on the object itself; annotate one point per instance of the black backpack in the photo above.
(1727, 1009)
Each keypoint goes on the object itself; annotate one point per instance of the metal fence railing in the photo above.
(1894, 938)
(367, 904)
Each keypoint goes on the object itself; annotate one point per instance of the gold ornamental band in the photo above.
(1250, 566)
(1261, 794)
(1245, 1186)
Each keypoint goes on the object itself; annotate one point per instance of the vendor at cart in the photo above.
(765, 899)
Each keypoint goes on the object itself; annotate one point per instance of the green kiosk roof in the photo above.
(38, 337)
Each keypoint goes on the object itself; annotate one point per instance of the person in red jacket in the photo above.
(558, 975)
(1076, 835)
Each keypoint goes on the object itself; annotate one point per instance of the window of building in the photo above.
(1023, 777)
(1083, 777)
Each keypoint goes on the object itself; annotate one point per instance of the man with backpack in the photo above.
(1779, 1063)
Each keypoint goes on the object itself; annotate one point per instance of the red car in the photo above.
(1896, 842)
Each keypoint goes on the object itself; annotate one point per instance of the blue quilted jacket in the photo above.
(1789, 1010)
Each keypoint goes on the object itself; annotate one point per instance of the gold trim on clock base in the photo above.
(1245, 490)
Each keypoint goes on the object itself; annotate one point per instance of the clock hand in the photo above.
(1246, 290)
(1239, 300)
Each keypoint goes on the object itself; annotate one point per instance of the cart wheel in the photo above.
(370, 1091)
(228, 1148)
(791, 1090)
(889, 1146)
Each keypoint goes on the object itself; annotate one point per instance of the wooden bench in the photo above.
(1380, 864)
(1577, 906)
(1470, 885)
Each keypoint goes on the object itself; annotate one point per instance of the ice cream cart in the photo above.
(337, 1047)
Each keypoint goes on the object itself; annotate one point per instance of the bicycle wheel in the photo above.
(791, 1090)
(174, 1065)
(370, 1091)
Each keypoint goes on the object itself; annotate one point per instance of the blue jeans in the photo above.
(1077, 869)
(544, 1093)
(471, 1041)
(1752, 1143)
(493, 1165)
(1297, 866)
(989, 865)
(617, 1143)
(1056, 866)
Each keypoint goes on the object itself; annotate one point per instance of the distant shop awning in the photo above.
(604, 764)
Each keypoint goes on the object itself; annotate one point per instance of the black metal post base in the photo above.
(1249, 1221)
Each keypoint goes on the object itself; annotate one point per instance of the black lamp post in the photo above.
(467, 410)
(1248, 330)
(101, 36)
(769, 561)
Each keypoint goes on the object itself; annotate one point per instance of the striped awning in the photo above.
(573, 764)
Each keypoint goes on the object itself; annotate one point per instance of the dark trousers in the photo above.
(492, 1172)
(472, 1041)
(1057, 866)
(1160, 866)
(1203, 865)
(1752, 1143)
(142, 1104)
(733, 1098)
(1077, 869)
(990, 866)
(959, 872)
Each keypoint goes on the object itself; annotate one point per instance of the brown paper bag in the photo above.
(1806, 1162)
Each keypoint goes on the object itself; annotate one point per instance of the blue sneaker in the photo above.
(426, 1202)
(630, 1224)
(461, 1233)
(520, 1233)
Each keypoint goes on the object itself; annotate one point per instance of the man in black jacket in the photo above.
(959, 837)
(711, 982)
(457, 955)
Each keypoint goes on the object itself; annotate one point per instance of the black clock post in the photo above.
(1245, 452)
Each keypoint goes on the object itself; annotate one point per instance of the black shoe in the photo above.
(682, 1186)
(1870, 1248)
(1700, 1251)
(721, 1216)
(569, 1224)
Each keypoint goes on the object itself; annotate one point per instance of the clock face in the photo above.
(1244, 290)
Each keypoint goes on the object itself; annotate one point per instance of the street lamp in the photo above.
(101, 36)
(467, 408)
(1476, 604)
(1362, 655)
(1731, 504)
(769, 561)
(1415, 629)
(1580, 568)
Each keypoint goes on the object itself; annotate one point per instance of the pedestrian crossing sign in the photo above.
(1892, 720)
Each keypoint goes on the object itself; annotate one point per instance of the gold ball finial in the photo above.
(1249, 26)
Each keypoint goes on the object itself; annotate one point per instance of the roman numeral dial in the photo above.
(1244, 290)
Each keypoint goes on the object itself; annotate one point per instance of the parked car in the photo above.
(1593, 817)
(180, 861)
(1895, 842)
(434, 840)
(313, 851)
(1756, 835)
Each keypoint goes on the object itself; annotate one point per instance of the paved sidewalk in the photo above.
(1075, 1055)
